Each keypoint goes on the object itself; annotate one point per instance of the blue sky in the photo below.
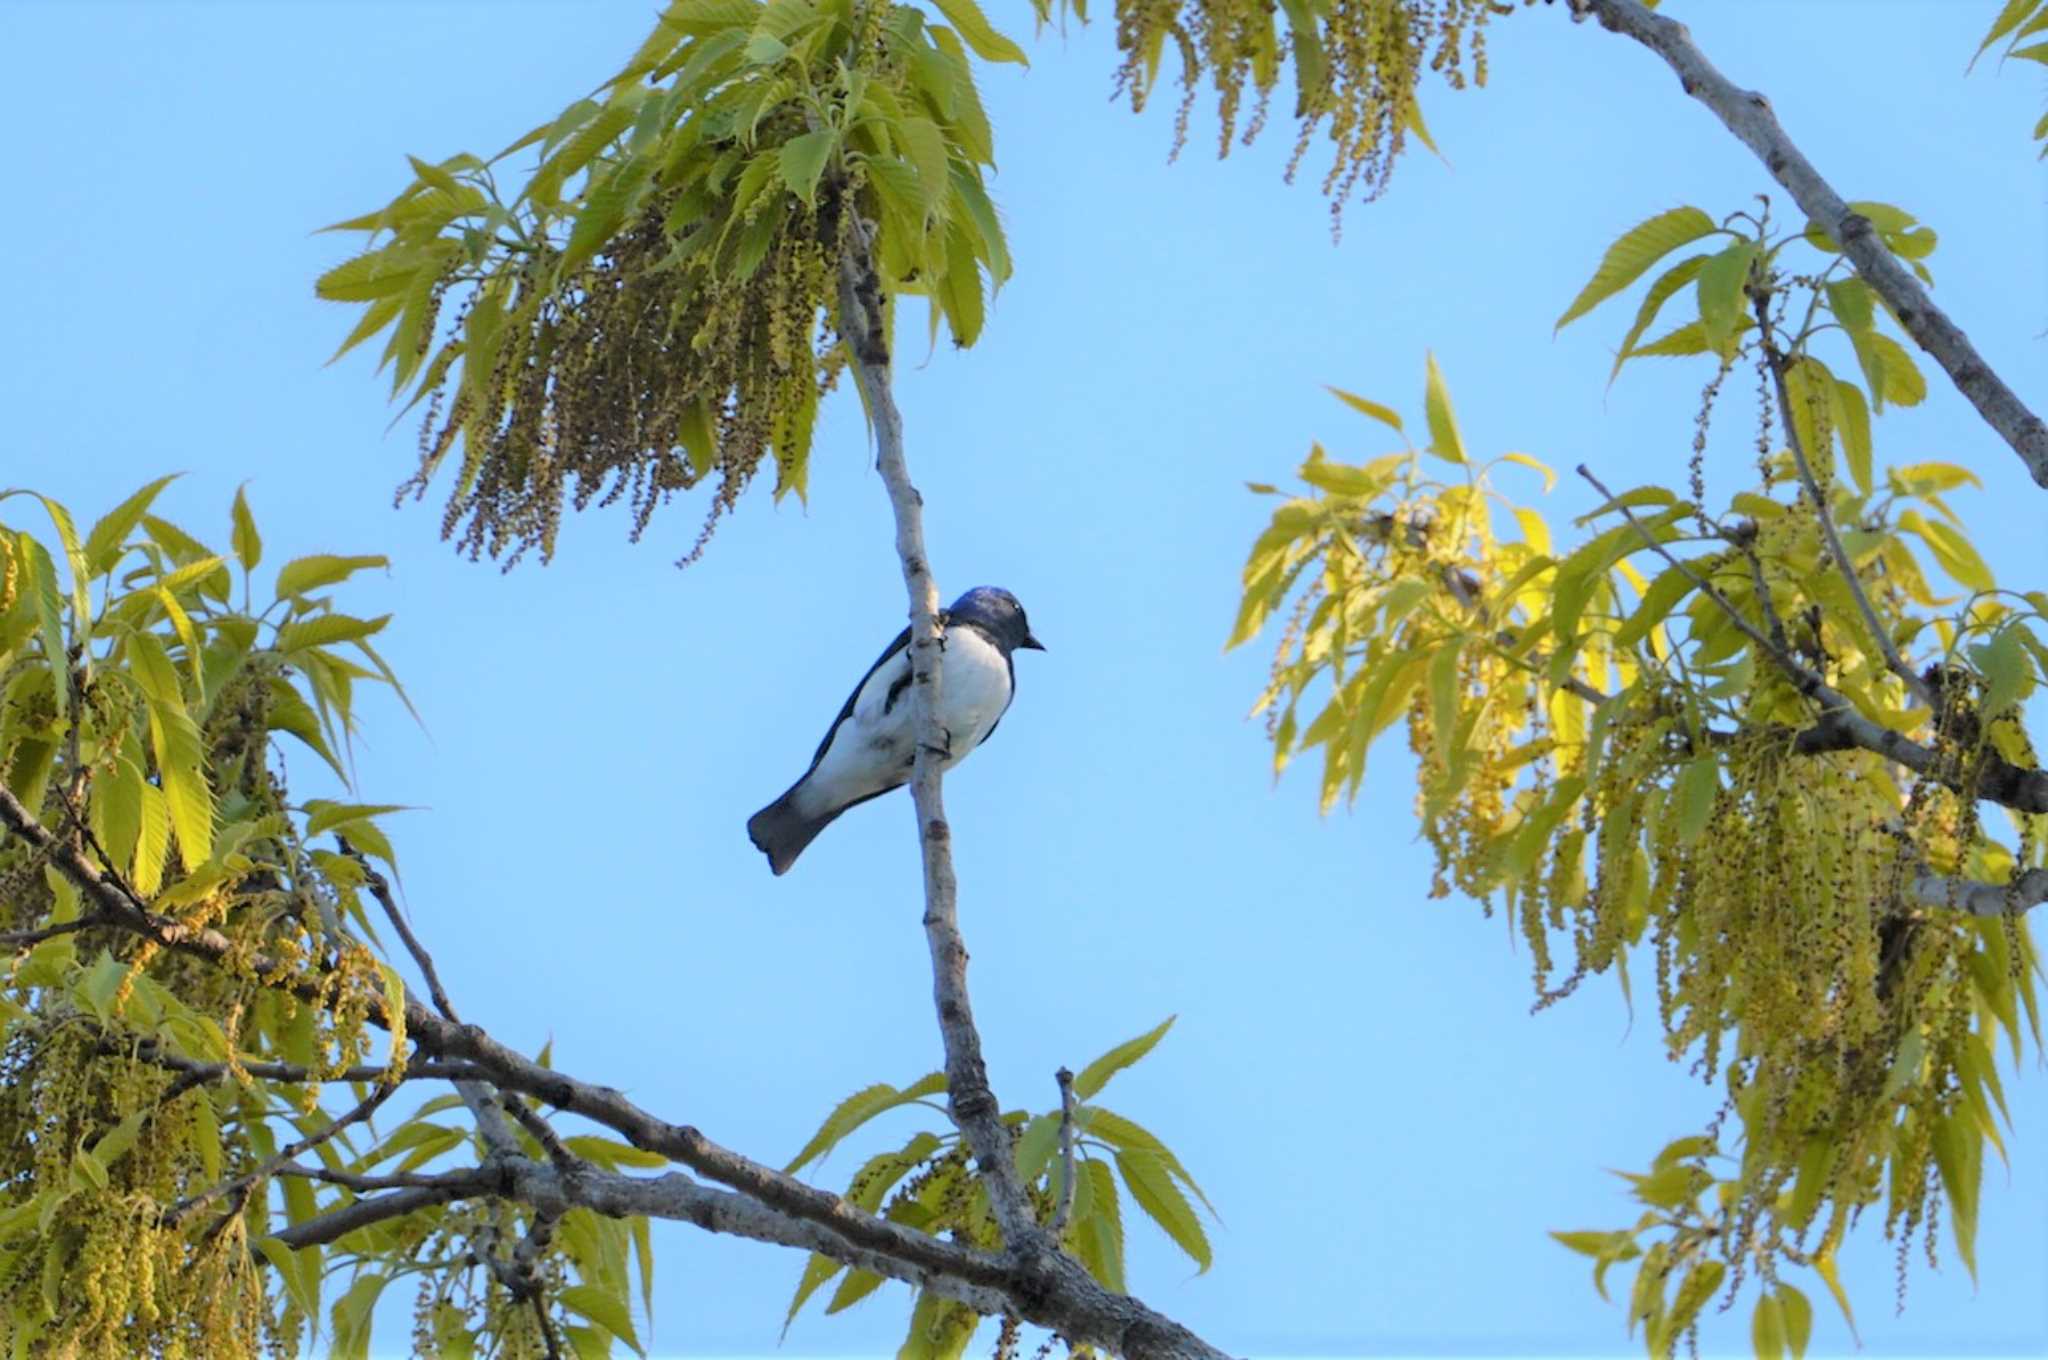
(1355, 1077)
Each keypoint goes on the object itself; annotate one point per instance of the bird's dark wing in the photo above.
(846, 709)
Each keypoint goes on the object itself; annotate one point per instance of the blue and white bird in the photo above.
(870, 746)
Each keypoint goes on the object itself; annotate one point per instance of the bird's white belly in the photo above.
(874, 746)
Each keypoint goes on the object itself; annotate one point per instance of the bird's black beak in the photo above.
(1033, 643)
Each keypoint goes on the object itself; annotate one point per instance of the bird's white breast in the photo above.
(869, 749)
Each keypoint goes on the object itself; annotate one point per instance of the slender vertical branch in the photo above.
(1065, 1208)
(863, 323)
(1747, 114)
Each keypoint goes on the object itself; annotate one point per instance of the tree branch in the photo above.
(1775, 360)
(1065, 1208)
(863, 321)
(1748, 115)
(1032, 1280)
(1944, 893)
(1842, 726)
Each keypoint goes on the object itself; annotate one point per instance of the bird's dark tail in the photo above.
(781, 832)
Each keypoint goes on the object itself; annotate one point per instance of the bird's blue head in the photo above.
(996, 612)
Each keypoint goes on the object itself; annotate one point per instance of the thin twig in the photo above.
(543, 1133)
(1896, 664)
(1748, 115)
(1805, 678)
(240, 1186)
(1065, 1209)
(27, 939)
(381, 890)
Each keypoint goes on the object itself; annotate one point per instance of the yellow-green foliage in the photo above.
(929, 1185)
(142, 710)
(1604, 753)
(658, 306)
(1357, 68)
(2020, 24)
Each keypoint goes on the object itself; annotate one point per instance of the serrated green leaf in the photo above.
(323, 630)
(247, 543)
(302, 574)
(817, 1270)
(607, 1309)
(1096, 1075)
(802, 162)
(1634, 252)
(103, 545)
(1720, 292)
(1798, 1316)
(1698, 785)
(1386, 415)
(1444, 440)
(1661, 291)
(301, 1283)
(352, 1314)
(1160, 1197)
(1852, 425)
(979, 33)
(857, 1109)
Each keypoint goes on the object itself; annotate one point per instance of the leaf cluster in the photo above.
(1357, 69)
(1613, 744)
(2020, 25)
(150, 1097)
(657, 305)
(929, 1184)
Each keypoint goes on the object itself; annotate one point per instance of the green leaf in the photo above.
(1958, 557)
(1824, 1264)
(1637, 249)
(1851, 302)
(323, 815)
(2008, 19)
(1691, 338)
(1959, 1155)
(1160, 1197)
(1096, 1075)
(302, 574)
(323, 630)
(1720, 286)
(1904, 385)
(40, 586)
(1810, 402)
(103, 545)
(1099, 1235)
(1672, 585)
(605, 208)
(802, 162)
(1852, 424)
(857, 1285)
(1386, 415)
(1444, 440)
(247, 543)
(115, 1142)
(1798, 1315)
(1698, 784)
(817, 1270)
(1661, 291)
(2008, 671)
(979, 33)
(1128, 1134)
(352, 1314)
(857, 1109)
(925, 148)
(300, 1272)
(608, 1310)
